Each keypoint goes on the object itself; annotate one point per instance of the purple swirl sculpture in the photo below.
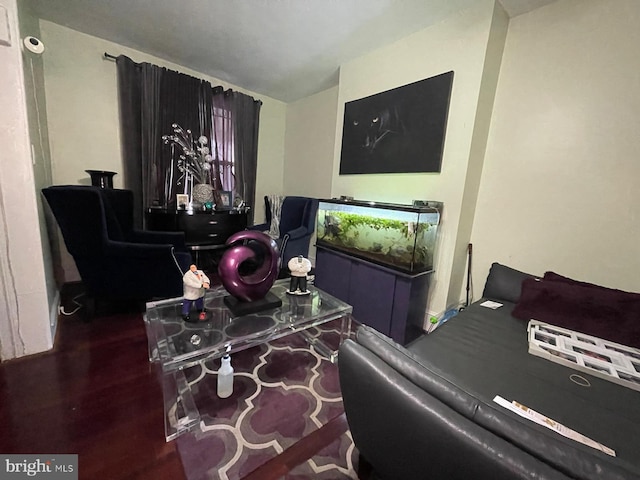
(256, 285)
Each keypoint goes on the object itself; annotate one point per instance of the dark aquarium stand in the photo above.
(378, 258)
(392, 302)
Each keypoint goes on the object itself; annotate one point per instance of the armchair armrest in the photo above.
(261, 227)
(296, 233)
(137, 250)
(177, 239)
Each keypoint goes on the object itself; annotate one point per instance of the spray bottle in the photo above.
(225, 376)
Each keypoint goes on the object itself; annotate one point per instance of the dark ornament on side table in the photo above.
(101, 178)
(248, 270)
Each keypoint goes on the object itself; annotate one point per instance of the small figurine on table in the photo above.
(195, 283)
(299, 267)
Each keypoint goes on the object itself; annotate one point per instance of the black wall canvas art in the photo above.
(398, 131)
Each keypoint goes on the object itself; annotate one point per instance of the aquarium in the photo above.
(402, 237)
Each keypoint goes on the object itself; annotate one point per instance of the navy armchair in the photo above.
(114, 260)
(297, 224)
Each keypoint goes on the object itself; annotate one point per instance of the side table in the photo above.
(205, 231)
(199, 227)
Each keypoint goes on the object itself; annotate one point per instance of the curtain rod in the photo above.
(108, 56)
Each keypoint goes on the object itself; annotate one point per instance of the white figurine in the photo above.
(299, 267)
(195, 283)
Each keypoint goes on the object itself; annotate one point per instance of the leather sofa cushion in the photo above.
(504, 283)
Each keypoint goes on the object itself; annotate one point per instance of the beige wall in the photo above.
(309, 143)
(459, 44)
(82, 107)
(310, 140)
(560, 189)
(271, 149)
(24, 303)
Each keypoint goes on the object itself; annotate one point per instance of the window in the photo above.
(222, 149)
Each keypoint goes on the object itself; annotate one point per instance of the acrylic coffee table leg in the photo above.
(180, 411)
(345, 330)
(331, 351)
(345, 333)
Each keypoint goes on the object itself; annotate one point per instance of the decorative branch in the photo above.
(195, 159)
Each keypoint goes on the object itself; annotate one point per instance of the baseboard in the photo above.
(53, 316)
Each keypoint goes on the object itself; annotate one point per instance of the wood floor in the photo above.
(96, 395)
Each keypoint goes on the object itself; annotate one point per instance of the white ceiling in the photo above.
(285, 49)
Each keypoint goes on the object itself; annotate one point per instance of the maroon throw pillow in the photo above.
(556, 277)
(602, 312)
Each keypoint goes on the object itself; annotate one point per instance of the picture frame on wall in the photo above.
(401, 130)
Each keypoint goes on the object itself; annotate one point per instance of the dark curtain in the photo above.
(150, 165)
(246, 119)
(129, 95)
(186, 101)
(154, 98)
(151, 100)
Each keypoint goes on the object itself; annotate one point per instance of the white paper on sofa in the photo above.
(545, 421)
(491, 304)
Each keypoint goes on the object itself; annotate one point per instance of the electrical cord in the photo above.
(74, 300)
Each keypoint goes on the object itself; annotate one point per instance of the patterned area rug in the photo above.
(283, 391)
(337, 461)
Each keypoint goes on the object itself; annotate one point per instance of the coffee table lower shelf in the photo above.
(181, 412)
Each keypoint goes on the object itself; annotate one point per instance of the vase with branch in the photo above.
(194, 163)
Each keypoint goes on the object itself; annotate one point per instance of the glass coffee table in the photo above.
(175, 345)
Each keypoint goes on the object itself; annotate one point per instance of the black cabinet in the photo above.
(200, 228)
(392, 302)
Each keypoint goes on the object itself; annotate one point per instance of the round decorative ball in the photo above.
(202, 193)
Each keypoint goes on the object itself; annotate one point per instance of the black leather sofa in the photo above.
(427, 411)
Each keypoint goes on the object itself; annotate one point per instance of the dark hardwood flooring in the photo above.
(96, 395)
